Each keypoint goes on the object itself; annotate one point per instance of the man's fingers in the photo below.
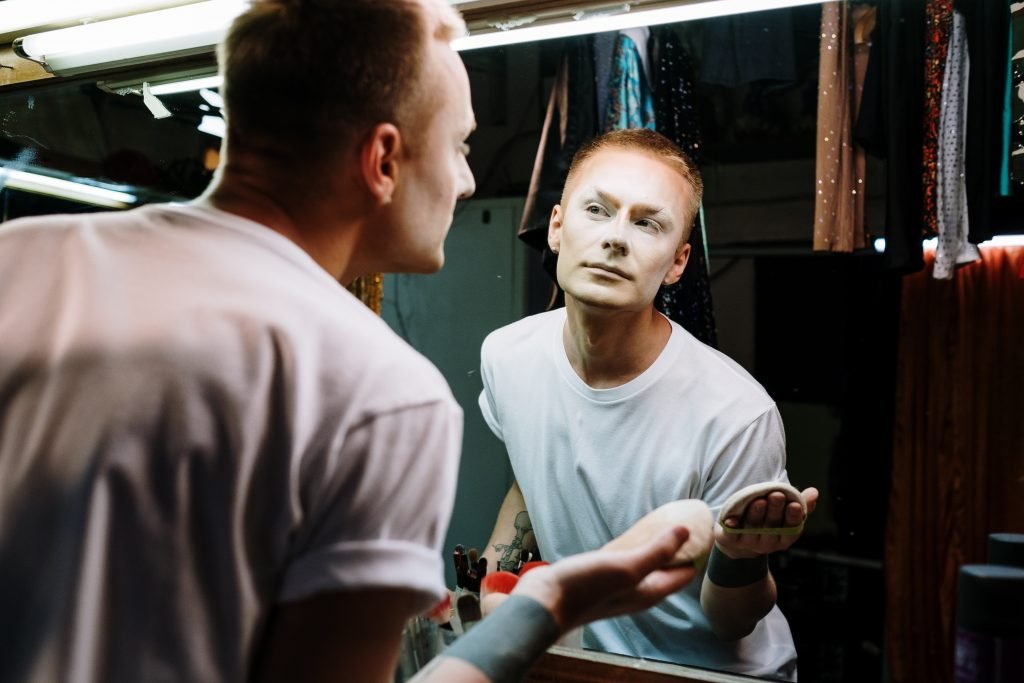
(755, 513)
(655, 587)
(794, 514)
(661, 549)
(664, 582)
(811, 498)
(776, 509)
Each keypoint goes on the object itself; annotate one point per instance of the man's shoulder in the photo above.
(721, 380)
(524, 336)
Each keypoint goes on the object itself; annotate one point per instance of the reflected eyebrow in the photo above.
(648, 210)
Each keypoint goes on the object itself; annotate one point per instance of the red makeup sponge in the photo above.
(531, 565)
(498, 582)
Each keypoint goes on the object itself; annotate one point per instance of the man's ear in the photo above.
(555, 228)
(378, 159)
(678, 265)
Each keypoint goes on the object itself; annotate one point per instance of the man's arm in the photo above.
(552, 600)
(356, 635)
(738, 590)
(513, 533)
(340, 635)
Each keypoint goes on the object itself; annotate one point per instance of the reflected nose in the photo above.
(614, 239)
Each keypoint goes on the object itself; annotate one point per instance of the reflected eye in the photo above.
(595, 210)
(648, 225)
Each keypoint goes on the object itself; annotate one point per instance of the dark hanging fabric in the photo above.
(743, 48)
(1017, 102)
(890, 124)
(604, 49)
(570, 121)
(988, 33)
(688, 302)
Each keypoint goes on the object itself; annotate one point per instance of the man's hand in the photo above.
(770, 511)
(606, 583)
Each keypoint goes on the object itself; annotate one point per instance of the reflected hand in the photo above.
(770, 511)
(605, 583)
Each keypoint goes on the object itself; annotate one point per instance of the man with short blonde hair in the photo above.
(609, 410)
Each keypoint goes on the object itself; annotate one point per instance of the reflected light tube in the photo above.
(65, 189)
(136, 39)
(932, 242)
(617, 22)
(189, 85)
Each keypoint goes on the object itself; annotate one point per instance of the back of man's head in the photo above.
(305, 78)
(654, 144)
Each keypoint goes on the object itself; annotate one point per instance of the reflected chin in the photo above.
(599, 295)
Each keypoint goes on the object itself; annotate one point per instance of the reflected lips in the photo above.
(607, 269)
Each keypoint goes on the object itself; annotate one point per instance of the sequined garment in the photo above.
(688, 302)
(839, 164)
(938, 20)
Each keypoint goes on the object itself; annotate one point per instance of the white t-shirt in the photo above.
(197, 423)
(591, 462)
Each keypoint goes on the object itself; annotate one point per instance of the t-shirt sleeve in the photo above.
(756, 454)
(379, 508)
(487, 405)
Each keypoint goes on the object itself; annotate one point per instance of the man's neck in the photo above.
(317, 227)
(609, 348)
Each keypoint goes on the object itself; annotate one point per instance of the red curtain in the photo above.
(958, 450)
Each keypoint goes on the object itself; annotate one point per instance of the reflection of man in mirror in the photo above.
(608, 410)
(215, 463)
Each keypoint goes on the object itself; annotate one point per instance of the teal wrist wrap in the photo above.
(507, 643)
(728, 572)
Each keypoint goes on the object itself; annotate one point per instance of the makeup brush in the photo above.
(458, 556)
(468, 606)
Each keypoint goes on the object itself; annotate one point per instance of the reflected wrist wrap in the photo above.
(506, 644)
(729, 572)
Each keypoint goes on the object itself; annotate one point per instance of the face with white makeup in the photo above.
(622, 226)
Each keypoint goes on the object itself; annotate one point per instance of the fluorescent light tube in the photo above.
(189, 85)
(932, 242)
(617, 22)
(65, 189)
(137, 39)
(19, 17)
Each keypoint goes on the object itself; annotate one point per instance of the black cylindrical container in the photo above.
(990, 624)
(1007, 549)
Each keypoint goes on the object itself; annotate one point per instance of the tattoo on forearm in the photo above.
(512, 552)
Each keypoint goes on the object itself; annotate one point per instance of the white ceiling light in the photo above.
(137, 39)
(65, 189)
(19, 17)
(616, 21)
